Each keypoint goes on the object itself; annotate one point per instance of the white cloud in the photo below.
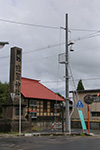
(40, 65)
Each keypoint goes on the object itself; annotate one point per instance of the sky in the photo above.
(37, 26)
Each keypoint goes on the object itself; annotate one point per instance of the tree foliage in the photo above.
(80, 85)
(3, 94)
(59, 95)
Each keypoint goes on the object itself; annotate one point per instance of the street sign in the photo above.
(57, 106)
(82, 120)
(88, 99)
(79, 104)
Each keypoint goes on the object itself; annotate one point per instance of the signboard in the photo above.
(96, 99)
(82, 119)
(17, 87)
(57, 106)
(57, 125)
(15, 71)
(79, 104)
(88, 99)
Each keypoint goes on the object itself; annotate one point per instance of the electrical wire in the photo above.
(61, 81)
(87, 36)
(36, 50)
(85, 30)
(45, 26)
(40, 49)
(87, 79)
(51, 46)
(28, 24)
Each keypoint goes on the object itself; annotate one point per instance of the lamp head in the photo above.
(71, 48)
(71, 42)
(2, 44)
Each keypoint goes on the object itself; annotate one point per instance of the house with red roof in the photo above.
(39, 100)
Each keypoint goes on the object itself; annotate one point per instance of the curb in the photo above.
(48, 134)
(56, 134)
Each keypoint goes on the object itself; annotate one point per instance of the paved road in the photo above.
(50, 143)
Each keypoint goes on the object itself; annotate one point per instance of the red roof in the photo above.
(34, 89)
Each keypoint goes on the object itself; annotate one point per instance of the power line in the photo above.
(29, 24)
(55, 81)
(49, 46)
(85, 30)
(87, 79)
(45, 26)
(36, 50)
(34, 59)
(88, 36)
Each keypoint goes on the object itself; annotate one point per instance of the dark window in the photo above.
(33, 103)
(33, 114)
(95, 114)
(18, 57)
(17, 111)
(51, 106)
(45, 106)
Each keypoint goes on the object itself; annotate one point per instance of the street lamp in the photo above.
(2, 44)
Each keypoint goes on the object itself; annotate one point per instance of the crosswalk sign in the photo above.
(79, 104)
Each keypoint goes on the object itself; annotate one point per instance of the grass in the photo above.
(82, 134)
(9, 133)
(36, 128)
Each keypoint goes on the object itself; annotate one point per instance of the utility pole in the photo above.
(67, 80)
(65, 61)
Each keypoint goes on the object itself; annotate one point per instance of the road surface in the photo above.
(50, 143)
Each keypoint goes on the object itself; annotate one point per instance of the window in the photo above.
(33, 114)
(51, 106)
(18, 57)
(33, 103)
(45, 106)
(17, 111)
(95, 114)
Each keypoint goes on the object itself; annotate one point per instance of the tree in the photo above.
(59, 95)
(3, 94)
(80, 86)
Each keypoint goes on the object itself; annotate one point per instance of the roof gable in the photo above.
(34, 89)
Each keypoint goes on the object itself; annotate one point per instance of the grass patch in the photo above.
(36, 128)
(9, 133)
(82, 134)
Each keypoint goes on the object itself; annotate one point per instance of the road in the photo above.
(50, 143)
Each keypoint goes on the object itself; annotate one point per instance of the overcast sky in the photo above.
(42, 40)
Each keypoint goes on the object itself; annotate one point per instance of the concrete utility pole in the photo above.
(67, 80)
(65, 61)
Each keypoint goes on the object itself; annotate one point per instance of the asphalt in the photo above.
(50, 143)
